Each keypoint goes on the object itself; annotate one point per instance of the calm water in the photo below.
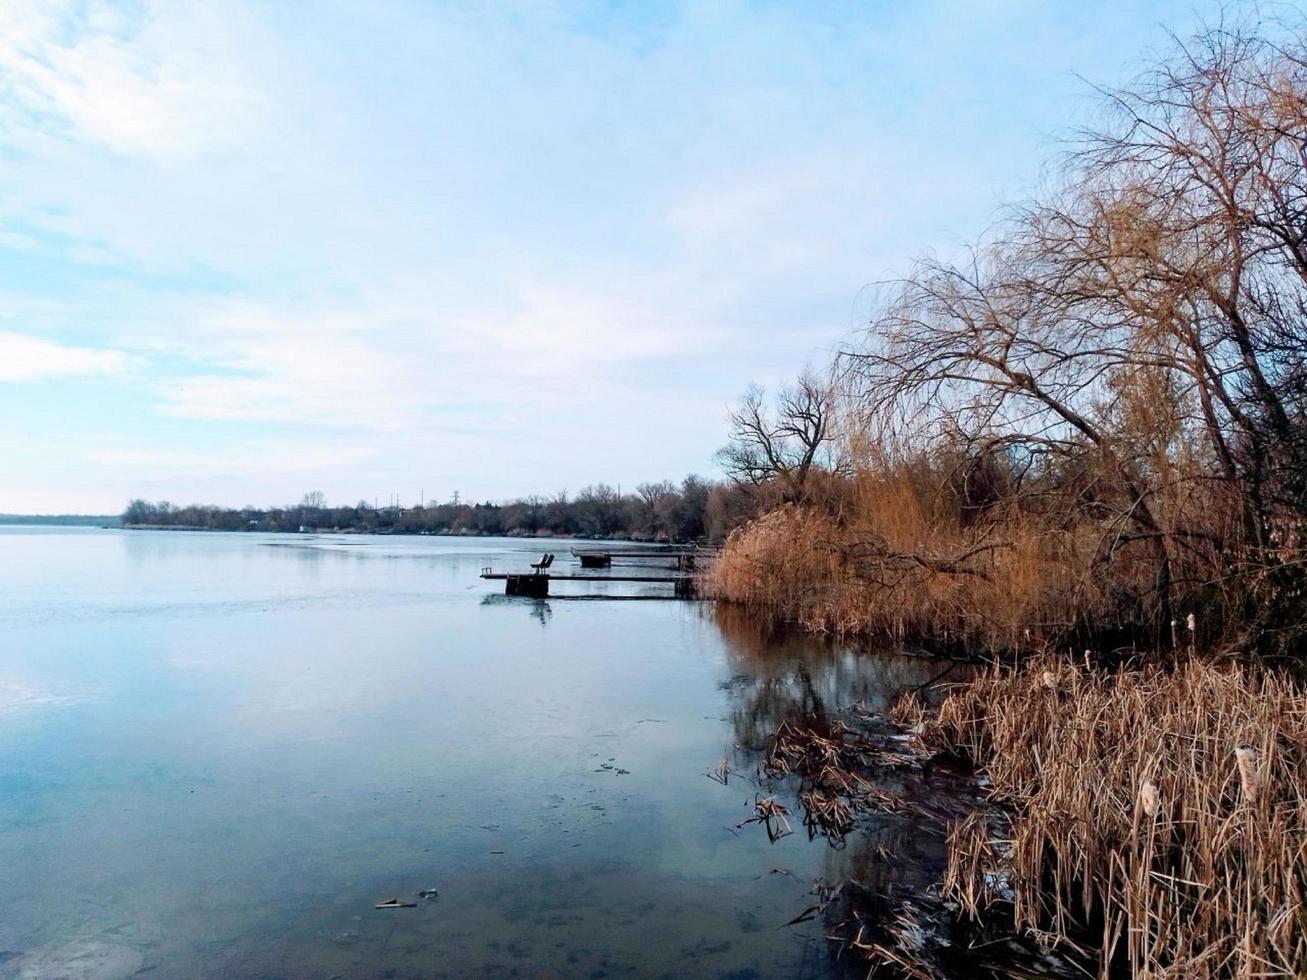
(219, 752)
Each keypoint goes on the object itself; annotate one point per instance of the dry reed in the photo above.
(1160, 817)
(832, 766)
(901, 560)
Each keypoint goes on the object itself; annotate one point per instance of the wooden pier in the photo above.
(535, 585)
(685, 556)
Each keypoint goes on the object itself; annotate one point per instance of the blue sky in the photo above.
(251, 249)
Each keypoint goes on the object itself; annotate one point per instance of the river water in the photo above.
(218, 752)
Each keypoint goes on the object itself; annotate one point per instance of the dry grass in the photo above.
(775, 817)
(832, 766)
(901, 559)
(1160, 817)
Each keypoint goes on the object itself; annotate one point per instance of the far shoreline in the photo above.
(393, 533)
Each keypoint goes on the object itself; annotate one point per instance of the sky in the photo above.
(254, 249)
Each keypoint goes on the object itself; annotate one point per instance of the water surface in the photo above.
(218, 752)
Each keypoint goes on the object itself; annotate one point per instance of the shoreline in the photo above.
(392, 532)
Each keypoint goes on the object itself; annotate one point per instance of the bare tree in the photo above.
(782, 441)
(653, 506)
(1138, 340)
(533, 512)
(599, 509)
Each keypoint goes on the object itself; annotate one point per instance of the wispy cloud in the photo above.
(26, 358)
(159, 80)
(500, 248)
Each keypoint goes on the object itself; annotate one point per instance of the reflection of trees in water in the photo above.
(881, 878)
(891, 854)
(783, 676)
(780, 674)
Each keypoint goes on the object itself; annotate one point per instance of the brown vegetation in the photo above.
(1158, 816)
(1144, 821)
(1096, 422)
(897, 563)
(1093, 428)
(887, 801)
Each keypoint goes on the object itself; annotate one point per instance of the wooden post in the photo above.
(531, 586)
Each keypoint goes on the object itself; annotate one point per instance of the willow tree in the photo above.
(1138, 338)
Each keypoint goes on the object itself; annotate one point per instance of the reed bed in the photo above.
(898, 563)
(863, 783)
(1158, 818)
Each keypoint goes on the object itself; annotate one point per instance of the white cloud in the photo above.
(406, 356)
(25, 358)
(505, 248)
(165, 83)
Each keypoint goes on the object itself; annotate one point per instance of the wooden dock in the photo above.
(535, 585)
(685, 556)
(671, 551)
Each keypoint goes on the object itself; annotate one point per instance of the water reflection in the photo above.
(879, 883)
(537, 609)
(218, 752)
(779, 674)
(542, 612)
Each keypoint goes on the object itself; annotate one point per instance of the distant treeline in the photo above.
(61, 520)
(694, 509)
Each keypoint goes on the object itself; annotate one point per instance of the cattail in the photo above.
(1246, 756)
(1149, 799)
